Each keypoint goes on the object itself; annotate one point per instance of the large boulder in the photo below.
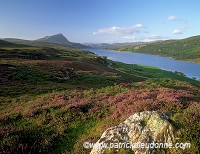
(143, 127)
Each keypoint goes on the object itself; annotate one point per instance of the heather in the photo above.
(63, 121)
(53, 100)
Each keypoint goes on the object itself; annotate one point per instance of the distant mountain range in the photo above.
(184, 49)
(59, 40)
(112, 45)
(48, 41)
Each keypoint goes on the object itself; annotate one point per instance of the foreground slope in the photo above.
(53, 100)
(185, 49)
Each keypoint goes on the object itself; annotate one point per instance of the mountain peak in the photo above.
(59, 34)
(57, 38)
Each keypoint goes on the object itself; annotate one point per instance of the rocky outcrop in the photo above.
(65, 73)
(147, 128)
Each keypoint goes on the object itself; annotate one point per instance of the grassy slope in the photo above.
(42, 113)
(186, 49)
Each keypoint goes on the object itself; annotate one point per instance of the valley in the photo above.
(54, 99)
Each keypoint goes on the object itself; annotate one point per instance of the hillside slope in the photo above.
(52, 101)
(186, 49)
(8, 44)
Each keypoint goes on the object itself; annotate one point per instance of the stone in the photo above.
(65, 73)
(143, 127)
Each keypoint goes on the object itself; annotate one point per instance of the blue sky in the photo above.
(100, 20)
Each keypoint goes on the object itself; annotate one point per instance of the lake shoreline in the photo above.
(184, 60)
(190, 69)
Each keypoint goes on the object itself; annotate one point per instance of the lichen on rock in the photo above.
(143, 127)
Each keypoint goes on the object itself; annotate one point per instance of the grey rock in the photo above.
(143, 127)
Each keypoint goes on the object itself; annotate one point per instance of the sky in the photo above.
(100, 21)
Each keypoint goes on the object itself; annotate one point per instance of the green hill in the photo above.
(186, 49)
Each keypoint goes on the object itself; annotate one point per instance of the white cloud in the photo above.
(152, 37)
(177, 31)
(175, 18)
(121, 30)
(181, 30)
(112, 30)
(172, 18)
(128, 37)
(147, 38)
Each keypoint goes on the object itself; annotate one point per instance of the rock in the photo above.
(142, 127)
(101, 60)
(65, 73)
